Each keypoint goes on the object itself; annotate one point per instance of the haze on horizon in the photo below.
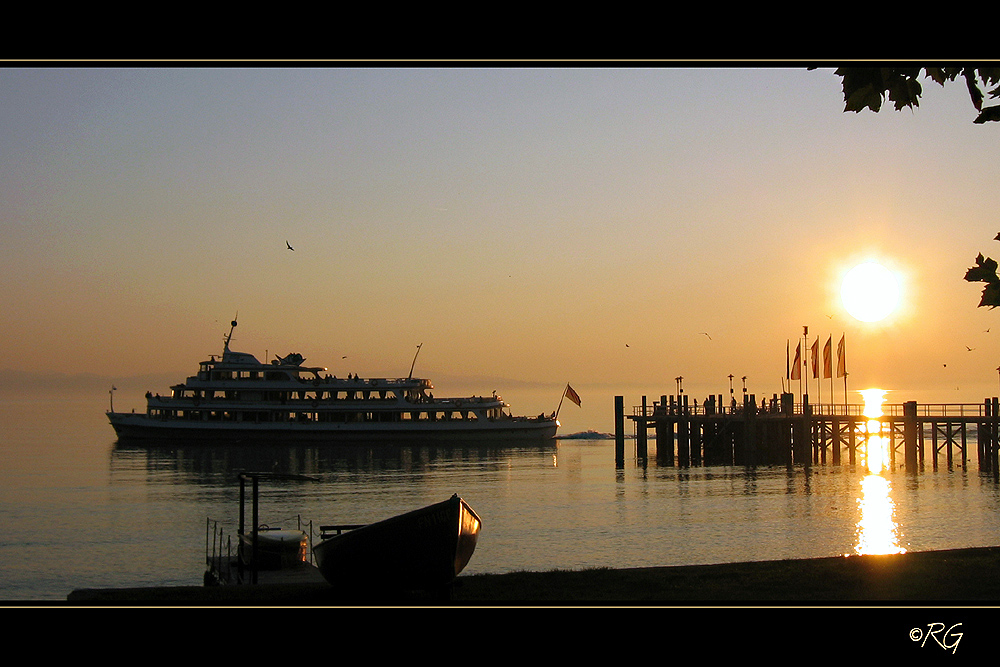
(610, 227)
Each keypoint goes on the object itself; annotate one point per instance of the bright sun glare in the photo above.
(870, 292)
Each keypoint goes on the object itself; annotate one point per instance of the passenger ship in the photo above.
(238, 399)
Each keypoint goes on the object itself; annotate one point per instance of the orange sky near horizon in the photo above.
(528, 226)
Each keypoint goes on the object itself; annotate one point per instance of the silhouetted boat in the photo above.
(422, 549)
(276, 548)
(238, 399)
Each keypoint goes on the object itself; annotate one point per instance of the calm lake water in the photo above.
(80, 512)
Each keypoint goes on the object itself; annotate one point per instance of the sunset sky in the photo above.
(609, 227)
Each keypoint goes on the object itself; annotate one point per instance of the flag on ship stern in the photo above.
(572, 395)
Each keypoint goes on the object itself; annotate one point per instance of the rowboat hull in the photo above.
(423, 549)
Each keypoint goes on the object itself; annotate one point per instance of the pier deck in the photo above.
(782, 431)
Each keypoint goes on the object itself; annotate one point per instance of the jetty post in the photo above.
(683, 433)
(750, 428)
(802, 434)
(986, 436)
(993, 440)
(910, 435)
(619, 431)
(835, 426)
(664, 435)
(641, 434)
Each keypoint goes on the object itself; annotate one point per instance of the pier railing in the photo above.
(929, 410)
(783, 431)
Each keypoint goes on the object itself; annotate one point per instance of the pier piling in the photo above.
(779, 431)
(619, 431)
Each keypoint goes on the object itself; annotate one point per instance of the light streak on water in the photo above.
(877, 530)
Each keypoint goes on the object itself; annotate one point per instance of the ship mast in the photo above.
(230, 336)
(410, 376)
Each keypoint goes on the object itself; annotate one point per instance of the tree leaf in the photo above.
(985, 271)
(991, 296)
(988, 114)
(973, 87)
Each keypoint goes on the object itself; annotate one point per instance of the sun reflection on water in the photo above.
(877, 529)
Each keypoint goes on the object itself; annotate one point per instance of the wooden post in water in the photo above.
(835, 441)
(979, 442)
(683, 433)
(619, 431)
(965, 445)
(641, 434)
(802, 438)
(910, 435)
(993, 440)
(750, 428)
(697, 439)
(987, 435)
(664, 435)
(852, 440)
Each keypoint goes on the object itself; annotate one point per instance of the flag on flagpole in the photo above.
(797, 363)
(814, 362)
(572, 395)
(828, 358)
(841, 359)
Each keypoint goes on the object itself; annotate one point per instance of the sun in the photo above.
(870, 292)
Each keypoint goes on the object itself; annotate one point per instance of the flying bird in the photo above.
(289, 246)
(705, 334)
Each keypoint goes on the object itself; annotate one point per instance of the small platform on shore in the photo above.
(226, 572)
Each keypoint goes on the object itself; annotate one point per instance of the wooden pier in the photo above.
(780, 431)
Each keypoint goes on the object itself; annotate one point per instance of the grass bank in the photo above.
(954, 577)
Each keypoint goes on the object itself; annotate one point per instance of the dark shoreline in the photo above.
(955, 577)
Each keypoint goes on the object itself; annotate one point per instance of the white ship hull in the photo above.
(521, 430)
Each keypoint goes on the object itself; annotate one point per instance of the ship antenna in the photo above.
(410, 376)
(230, 336)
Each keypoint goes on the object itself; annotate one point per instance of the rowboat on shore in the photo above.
(419, 550)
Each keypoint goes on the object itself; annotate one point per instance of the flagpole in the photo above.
(828, 356)
(573, 396)
(842, 363)
(805, 350)
(816, 373)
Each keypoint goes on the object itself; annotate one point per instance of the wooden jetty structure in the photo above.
(781, 430)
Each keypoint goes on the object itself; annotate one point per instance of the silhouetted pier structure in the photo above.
(780, 430)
